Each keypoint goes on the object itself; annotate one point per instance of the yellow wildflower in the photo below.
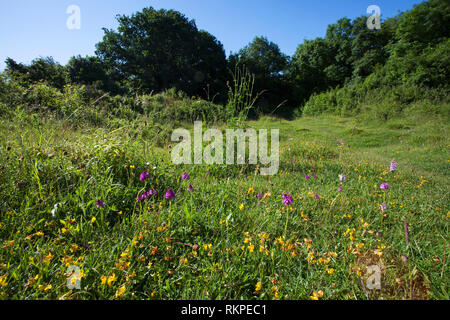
(111, 279)
(48, 258)
(3, 282)
(120, 291)
(45, 288)
(317, 295)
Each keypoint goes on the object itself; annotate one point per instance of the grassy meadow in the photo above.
(69, 199)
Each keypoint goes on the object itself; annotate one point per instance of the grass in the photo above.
(220, 241)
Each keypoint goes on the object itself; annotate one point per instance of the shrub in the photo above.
(383, 103)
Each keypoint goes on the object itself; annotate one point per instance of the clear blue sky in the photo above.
(33, 28)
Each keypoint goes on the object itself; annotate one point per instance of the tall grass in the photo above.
(241, 95)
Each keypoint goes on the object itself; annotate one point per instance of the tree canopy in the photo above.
(154, 50)
(160, 49)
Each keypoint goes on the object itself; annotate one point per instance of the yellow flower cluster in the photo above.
(3, 282)
(109, 280)
(317, 295)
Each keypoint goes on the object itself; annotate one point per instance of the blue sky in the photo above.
(33, 28)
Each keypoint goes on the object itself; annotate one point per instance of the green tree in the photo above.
(369, 48)
(156, 50)
(41, 69)
(339, 36)
(426, 24)
(312, 66)
(264, 59)
(92, 71)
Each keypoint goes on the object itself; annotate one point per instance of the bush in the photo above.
(80, 104)
(383, 103)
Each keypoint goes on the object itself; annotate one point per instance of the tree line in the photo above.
(154, 50)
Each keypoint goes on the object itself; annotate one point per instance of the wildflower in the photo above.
(259, 195)
(383, 207)
(316, 196)
(190, 188)
(258, 287)
(120, 291)
(170, 194)
(241, 207)
(32, 281)
(144, 175)
(393, 166)
(93, 219)
(317, 295)
(287, 199)
(152, 192)
(111, 279)
(45, 288)
(384, 186)
(144, 196)
(266, 195)
(141, 197)
(294, 160)
(251, 190)
(48, 258)
(100, 204)
(275, 291)
(342, 177)
(306, 177)
(340, 189)
(330, 271)
(184, 176)
(3, 282)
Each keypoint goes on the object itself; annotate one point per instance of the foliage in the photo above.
(382, 103)
(41, 69)
(264, 59)
(156, 50)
